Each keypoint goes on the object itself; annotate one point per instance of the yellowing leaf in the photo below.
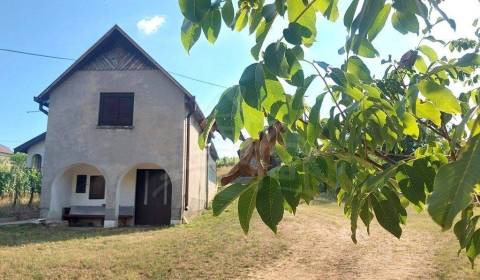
(410, 125)
(427, 111)
(441, 97)
(252, 120)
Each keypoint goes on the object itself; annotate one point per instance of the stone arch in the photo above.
(127, 191)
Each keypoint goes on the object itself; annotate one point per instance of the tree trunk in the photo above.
(32, 191)
(15, 191)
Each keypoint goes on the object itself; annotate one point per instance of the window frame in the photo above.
(102, 107)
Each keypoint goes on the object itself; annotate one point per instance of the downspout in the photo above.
(187, 152)
(206, 176)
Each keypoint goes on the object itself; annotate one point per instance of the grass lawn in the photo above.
(314, 244)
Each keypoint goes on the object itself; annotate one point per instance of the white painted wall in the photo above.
(127, 189)
(38, 148)
(81, 199)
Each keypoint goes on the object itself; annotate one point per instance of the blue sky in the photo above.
(68, 28)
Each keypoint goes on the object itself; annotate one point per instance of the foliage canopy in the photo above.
(401, 139)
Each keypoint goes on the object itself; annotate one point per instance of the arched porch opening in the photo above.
(148, 188)
(78, 185)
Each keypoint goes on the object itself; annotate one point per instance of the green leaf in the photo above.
(429, 52)
(313, 127)
(275, 92)
(379, 180)
(203, 138)
(421, 65)
(387, 208)
(440, 96)
(228, 115)
(459, 130)
(241, 20)
(297, 106)
(275, 59)
(252, 84)
(379, 22)
(290, 185)
(254, 19)
(228, 13)
(304, 15)
(426, 110)
(260, 35)
(465, 227)
(283, 153)
(328, 8)
(410, 126)
(280, 6)
(190, 34)
(194, 10)
(454, 184)
(253, 120)
(349, 14)
(415, 179)
(211, 25)
(295, 33)
(270, 202)
(356, 67)
(469, 59)
(246, 205)
(227, 196)
(405, 22)
(473, 249)
(363, 47)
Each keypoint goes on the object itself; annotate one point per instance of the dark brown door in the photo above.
(153, 198)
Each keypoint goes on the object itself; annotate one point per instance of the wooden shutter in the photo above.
(81, 186)
(116, 109)
(125, 110)
(97, 187)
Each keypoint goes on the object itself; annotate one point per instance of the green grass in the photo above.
(316, 241)
(207, 248)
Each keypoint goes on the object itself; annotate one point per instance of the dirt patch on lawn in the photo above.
(321, 248)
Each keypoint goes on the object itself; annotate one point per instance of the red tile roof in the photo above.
(5, 150)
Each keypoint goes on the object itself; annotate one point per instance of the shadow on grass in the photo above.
(18, 235)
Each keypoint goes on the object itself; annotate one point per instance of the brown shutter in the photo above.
(97, 187)
(125, 110)
(116, 109)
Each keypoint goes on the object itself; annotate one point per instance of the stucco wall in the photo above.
(212, 178)
(39, 149)
(77, 199)
(157, 137)
(197, 194)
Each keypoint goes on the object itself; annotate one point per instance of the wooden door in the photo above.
(153, 198)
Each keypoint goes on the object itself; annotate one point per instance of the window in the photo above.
(37, 162)
(116, 109)
(97, 187)
(81, 186)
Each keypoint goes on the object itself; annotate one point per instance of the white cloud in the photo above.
(150, 25)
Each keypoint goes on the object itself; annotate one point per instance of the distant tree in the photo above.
(404, 138)
(227, 161)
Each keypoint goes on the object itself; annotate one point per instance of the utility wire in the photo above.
(36, 54)
(67, 58)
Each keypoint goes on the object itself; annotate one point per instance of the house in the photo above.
(5, 151)
(121, 141)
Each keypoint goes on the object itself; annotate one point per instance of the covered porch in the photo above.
(86, 195)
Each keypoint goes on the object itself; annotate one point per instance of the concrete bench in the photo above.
(74, 213)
